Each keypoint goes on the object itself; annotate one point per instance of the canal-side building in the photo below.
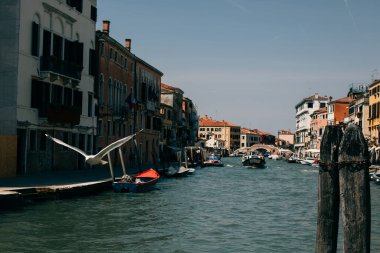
(128, 91)
(265, 137)
(190, 116)
(374, 111)
(172, 101)
(303, 111)
(318, 124)
(223, 130)
(285, 139)
(47, 84)
(248, 137)
(337, 110)
(358, 112)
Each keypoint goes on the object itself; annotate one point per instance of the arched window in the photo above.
(109, 92)
(101, 89)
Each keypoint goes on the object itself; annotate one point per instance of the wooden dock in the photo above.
(12, 197)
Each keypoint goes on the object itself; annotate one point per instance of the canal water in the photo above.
(225, 209)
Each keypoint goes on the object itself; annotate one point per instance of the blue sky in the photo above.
(250, 61)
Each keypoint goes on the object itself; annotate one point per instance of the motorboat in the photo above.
(309, 161)
(213, 161)
(253, 159)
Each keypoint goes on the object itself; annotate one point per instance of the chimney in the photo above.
(128, 44)
(106, 26)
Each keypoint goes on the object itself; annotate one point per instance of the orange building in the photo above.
(317, 127)
(226, 131)
(337, 110)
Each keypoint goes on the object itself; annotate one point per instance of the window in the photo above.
(77, 4)
(89, 109)
(109, 92)
(77, 102)
(57, 94)
(91, 62)
(67, 96)
(32, 140)
(35, 39)
(42, 140)
(101, 49)
(126, 63)
(89, 144)
(57, 46)
(93, 13)
(74, 139)
(322, 105)
(310, 105)
(101, 89)
(115, 56)
(46, 43)
(111, 53)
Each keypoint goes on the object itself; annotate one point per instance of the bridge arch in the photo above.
(269, 148)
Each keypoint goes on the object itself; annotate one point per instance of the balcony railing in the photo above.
(58, 66)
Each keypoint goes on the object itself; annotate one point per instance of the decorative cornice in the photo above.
(50, 8)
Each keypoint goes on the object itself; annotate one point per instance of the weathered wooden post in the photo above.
(110, 166)
(122, 162)
(355, 191)
(328, 191)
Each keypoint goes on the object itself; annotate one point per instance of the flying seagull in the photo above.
(95, 159)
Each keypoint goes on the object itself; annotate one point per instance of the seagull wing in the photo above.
(67, 145)
(114, 145)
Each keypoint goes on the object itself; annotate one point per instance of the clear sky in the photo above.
(250, 62)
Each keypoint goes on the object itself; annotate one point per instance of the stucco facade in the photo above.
(46, 50)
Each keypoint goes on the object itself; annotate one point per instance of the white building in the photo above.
(248, 138)
(303, 111)
(215, 143)
(47, 51)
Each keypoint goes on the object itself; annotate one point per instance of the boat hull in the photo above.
(254, 161)
(146, 186)
(141, 182)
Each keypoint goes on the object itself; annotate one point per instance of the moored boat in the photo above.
(141, 182)
(213, 161)
(182, 171)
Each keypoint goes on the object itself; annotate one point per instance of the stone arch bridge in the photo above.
(269, 148)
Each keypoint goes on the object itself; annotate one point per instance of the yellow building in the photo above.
(222, 130)
(374, 111)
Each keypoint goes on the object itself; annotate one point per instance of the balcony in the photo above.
(61, 67)
(61, 114)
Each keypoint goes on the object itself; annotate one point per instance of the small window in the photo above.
(309, 105)
(93, 13)
(115, 56)
(32, 140)
(111, 53)
(35, 39)
(42, 139)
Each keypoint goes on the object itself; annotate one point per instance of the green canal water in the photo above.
(229, 209)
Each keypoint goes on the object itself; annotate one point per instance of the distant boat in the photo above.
(309, 161)
(182, 171)
(141, 182)
(253, 159)
(213, 161)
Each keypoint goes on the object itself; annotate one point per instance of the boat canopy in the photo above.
(148, 173)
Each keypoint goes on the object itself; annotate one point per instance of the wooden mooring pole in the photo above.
(355, 191)
(328, 191)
